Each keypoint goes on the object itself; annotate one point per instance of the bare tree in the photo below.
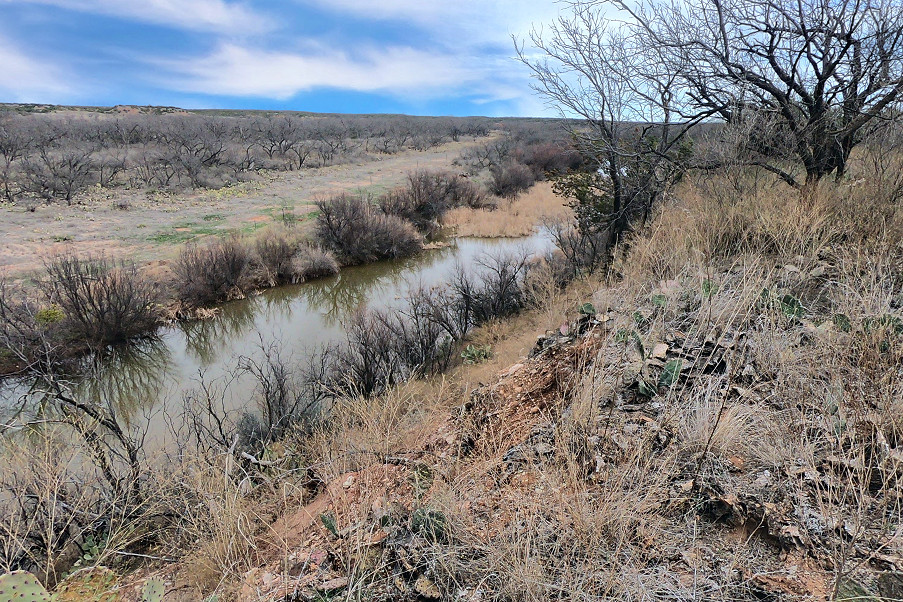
(817, 71)
(60, 173)
(15, 143)
(630, 127)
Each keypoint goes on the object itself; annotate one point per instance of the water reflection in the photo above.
(130, 379)
(140, 380)
(355, 287)
(207, 339)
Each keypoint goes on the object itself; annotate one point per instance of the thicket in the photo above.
(50, 157)
(422, 336)
(222, 269)
(80, 304)
(356, 230)
(428, 196)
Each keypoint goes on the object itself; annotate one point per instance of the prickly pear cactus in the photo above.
(20, 586)
(152, 591)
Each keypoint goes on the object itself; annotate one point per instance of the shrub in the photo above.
(102, 301)
(287, 398)
(29, 332)
(464, 192)
(357, 232)
(311, 262)
(275, 251)
(583, 249)
(551, 157)
(510, 179)
(383, 347)
(217, 271)
(367, 363)
(428, 196)
(495, 290)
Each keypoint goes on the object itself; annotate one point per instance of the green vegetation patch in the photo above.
(251, 228)
(179, 233)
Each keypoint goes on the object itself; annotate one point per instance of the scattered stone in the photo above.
(333, 585)
(890, 585)
(426, 588)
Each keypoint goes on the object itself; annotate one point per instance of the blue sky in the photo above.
(423, 57)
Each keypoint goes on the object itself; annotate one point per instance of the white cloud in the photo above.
(466, 22)
(202, 15)
(239, 71)
(26, 78)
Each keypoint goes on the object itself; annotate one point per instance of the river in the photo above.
(147, 380)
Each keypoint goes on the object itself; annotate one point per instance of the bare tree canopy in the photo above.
(632, 129)
(805, 79)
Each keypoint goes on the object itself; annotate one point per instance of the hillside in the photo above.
(722, 422)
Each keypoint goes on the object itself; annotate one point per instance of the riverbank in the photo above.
(204, 275)
(148, 227)
(722, 421)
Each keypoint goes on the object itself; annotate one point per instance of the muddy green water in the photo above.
(149, 380)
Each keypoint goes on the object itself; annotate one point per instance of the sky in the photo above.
(420, 57)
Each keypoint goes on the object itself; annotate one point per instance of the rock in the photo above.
(660, 351)
(890, 585)
(348, 482)
(737, 463)
(543, 449)
(333, 585)
(426, 588)
(512, 370)
(851, 590)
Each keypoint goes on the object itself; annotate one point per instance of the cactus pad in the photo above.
(152, 591)
(20, 586)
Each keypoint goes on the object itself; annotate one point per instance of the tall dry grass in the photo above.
(750, 289)
(778, 443)
(510, 218)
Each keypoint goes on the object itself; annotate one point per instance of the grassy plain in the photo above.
(149, 226)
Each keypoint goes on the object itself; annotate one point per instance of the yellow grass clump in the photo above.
(510, 218)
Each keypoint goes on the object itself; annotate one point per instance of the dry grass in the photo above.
(559, 480)
(769, 464)
(511, 218)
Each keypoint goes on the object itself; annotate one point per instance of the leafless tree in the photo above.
(630, 128)
(817, 72)
(15, 143)
(59, 174)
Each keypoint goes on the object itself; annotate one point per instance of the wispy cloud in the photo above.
(199, 15)
(26, 78)
(240, 71)
(484, 21)
(405, 55)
